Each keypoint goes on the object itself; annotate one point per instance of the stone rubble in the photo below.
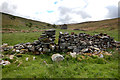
(45, 43)
(81, 43)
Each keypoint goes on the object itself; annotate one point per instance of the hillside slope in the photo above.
(109, 24)
(10, 21)
(18, 23)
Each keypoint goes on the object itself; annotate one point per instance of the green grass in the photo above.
(72, 68)
(15, 38)
(93, 68)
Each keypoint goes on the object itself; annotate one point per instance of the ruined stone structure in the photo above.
(66, 43)
(77, 42)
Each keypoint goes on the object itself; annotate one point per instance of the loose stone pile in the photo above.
(45, 43)
(78, 43)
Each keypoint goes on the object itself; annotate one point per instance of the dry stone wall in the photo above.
(77, 43)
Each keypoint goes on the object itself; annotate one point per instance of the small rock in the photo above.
(4, 45)
(11, 56)
(73, 54)
(76, 50)
(4, 63)
(101, 56)
(1, 62)
(13, 50)
(17, 51)
(57, 57)
(27, 59)
(86, 50)
(11, 47)
(34, 58)
(52, 47)
(45, 62)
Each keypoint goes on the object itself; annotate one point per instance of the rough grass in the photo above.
(71, 68)
(92, 68)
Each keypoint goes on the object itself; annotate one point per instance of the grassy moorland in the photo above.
(90, 67)
(69, 68)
